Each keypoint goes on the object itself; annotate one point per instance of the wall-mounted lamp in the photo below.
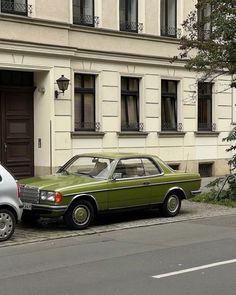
(63, 84)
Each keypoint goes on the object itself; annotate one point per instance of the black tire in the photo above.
(7, 224)
(172, 205)
(79, 215)
(29, 217)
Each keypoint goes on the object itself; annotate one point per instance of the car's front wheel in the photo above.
(7, 224)
(79, 215)
(172, 205)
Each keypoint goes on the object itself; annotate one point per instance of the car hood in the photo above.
(61, 182)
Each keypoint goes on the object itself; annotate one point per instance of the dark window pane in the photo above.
(129, 15)
(78, 81)
(124, 84)
(89, 108)
(83, 12)
(84, 102)
(16, 78)
(169, 114)
(129, 104)
(169, 105)
(168, 18)
(88, 81)
(204, 106)
(84, 82)
(205, 170)
(172, 87)
(123, 110)
(133, 84)
(122, 11)
(15, 6)
(78, 110)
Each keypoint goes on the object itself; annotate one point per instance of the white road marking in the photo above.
(175, 273)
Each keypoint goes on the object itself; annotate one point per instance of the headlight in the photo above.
(47, 196)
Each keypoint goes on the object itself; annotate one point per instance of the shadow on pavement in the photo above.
(104, 219)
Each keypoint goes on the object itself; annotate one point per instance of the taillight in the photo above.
(57, 197)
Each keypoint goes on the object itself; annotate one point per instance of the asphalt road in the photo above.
(126, 262)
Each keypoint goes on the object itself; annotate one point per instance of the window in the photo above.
(133, 168)
(83, 12)
(84, 102)
(129, 104)
(19, 7)
(174, 166)
(129, 15)
(90, 166)
(204, 106)
(204, 29)
(168, 105)
(168, 18)
(205, 169)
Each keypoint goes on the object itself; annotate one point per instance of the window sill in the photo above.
(206, 134)
(169, 134)
(87, 134)
(126, 134)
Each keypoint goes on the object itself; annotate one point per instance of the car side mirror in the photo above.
(117, 176)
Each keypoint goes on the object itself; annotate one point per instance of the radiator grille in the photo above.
(29, 194)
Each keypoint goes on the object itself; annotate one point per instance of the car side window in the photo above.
(135, 167)
(129, 168)
(150, 168)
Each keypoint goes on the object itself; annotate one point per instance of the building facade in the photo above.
(123, 95)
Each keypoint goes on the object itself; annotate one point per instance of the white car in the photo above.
(11, 206)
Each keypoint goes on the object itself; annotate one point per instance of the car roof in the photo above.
(112, 155)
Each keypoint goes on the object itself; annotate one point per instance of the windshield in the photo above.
(90, 166)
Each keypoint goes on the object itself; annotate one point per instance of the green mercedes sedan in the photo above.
(90, 184)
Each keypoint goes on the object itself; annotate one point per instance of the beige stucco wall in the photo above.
(48, 45)
(53, 10)
(109, 17)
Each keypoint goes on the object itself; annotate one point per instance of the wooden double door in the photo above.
(16, 130)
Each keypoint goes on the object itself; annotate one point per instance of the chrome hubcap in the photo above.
(81, 215)
(173, 204)
(6, 225)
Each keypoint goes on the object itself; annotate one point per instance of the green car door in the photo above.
(130, 186)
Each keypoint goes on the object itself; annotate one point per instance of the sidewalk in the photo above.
(56, 229)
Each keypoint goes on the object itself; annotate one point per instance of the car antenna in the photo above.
(186, 163)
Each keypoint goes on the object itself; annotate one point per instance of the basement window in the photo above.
(205, 169)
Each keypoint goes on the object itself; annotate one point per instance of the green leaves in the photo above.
(209, 45)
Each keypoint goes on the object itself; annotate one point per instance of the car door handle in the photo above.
(146, 183)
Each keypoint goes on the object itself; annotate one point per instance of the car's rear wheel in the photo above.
(79, 215)
(7, 224)
(172, 205)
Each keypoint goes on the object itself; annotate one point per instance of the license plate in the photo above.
(27, 206)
